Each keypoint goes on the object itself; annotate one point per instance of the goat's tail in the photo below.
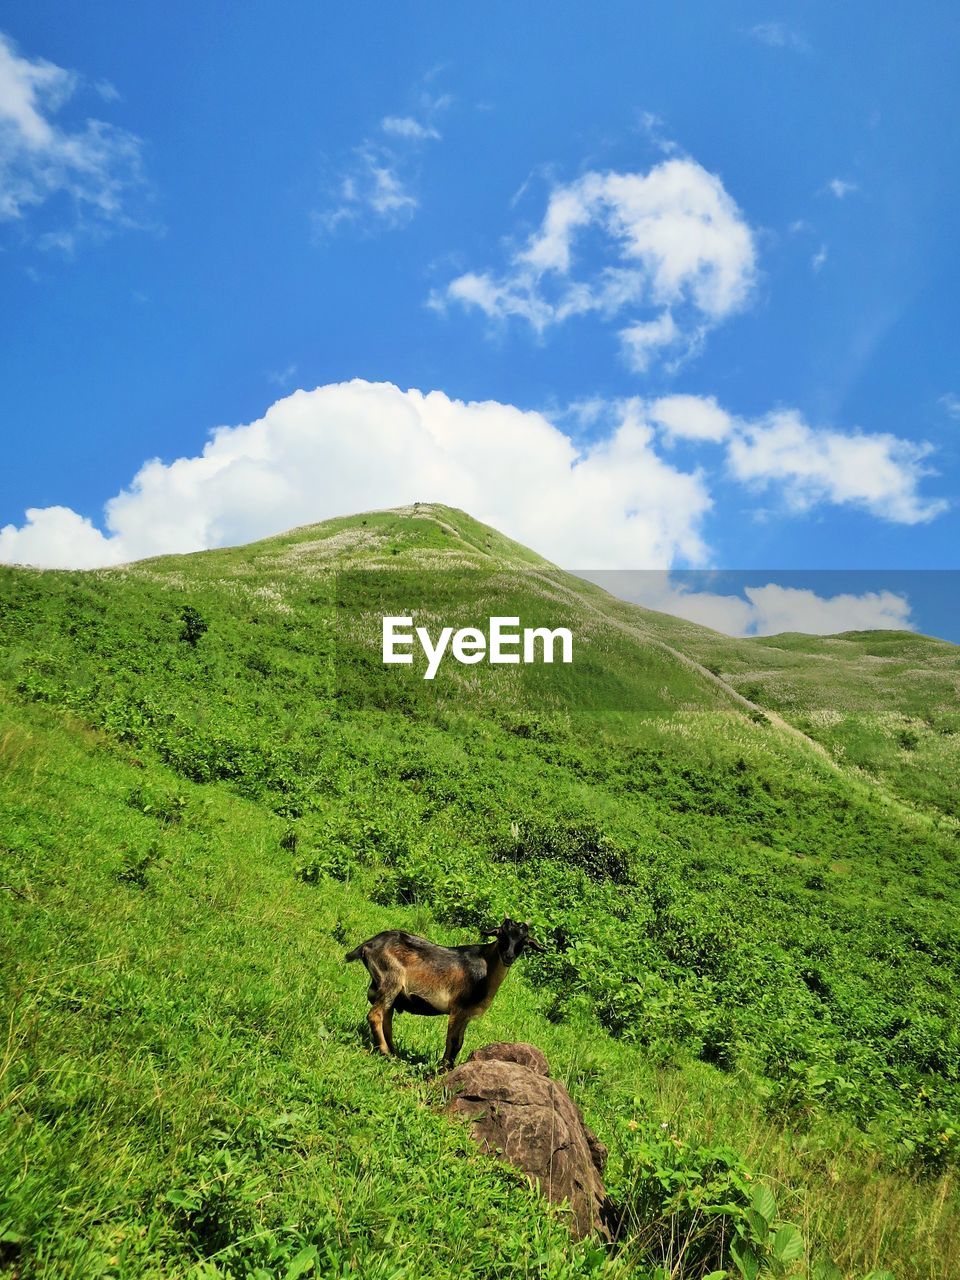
(355, 954)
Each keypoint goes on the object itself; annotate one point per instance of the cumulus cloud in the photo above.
(878, 472)
(761, 610)
(376, 186)
(777, 609)
(353, 446)
(692, 417)
(58, 538)
(96, 167)
(676, 257)
(615, 500)
(809, 465)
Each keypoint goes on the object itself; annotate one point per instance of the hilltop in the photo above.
(740, 854)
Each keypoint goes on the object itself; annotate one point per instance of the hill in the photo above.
(746, 882)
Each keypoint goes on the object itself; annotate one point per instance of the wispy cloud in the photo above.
(950, 402)
(108, 91)
(819, 258)
(670, 256)
(653, 127)
(86, 178)
(376, 186)
(282, 377)
(407, 127)
(777, 35)
(842, 187)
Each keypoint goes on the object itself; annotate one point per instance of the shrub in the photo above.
(192, 626)
(134, 867)
(699, 1208)
(929, 1140)
(576, 842)
(167, 809)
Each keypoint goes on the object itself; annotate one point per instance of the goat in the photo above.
(411, 975)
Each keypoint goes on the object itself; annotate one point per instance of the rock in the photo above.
(525, 1055)
(519, 1114)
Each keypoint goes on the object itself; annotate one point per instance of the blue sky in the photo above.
(698, 264)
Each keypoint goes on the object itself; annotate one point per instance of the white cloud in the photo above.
(94, 166)
(692, 417)
(761, 611)
(644, 340)
(495, 299)
(407, 127)
(652, 124)
(951, 403)
(842, 187)
(675, 247)
(819, 258)
(56, 537)
(357, 445)
(879, 472)
(376, 187)
(373, 188)
(777, 609)
(779, 36)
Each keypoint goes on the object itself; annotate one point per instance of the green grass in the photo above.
(752, 943)
(184, 1077)
(885, 704)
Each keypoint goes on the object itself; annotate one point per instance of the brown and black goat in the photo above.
(411, 975)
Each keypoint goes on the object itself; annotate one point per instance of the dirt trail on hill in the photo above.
(641, 634)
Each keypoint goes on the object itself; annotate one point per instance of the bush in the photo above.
(192, 627)
(699, 1207)
(576, 842)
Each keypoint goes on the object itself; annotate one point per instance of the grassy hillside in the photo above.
(885, 704)
(210, 787)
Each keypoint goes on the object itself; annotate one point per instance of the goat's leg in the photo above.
(380, 1016)
(456, 1027)
(387, 1026)
(375, 1018)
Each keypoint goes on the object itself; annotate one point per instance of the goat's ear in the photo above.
(491, 933)
(534, 945)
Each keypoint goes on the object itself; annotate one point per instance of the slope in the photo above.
(746, 941)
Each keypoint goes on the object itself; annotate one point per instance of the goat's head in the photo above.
(513, 937)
